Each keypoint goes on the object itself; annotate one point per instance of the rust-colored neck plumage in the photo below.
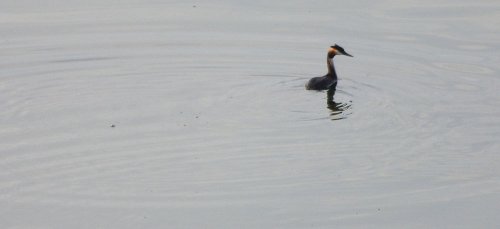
(329, 63)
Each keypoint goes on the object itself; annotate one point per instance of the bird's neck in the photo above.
(331, 67)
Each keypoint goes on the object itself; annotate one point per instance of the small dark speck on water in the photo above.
(194, 6)
(113, 126)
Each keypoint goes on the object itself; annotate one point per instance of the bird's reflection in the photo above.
(338, 110)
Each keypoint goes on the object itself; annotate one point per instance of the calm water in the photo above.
(155, 114)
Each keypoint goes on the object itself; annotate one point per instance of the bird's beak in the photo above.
(347, 54)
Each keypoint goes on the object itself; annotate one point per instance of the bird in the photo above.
(328, 81)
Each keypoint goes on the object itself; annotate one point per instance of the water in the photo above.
(153, 114)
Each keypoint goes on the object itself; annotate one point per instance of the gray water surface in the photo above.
(171, 114)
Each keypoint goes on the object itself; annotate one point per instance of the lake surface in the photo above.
(173, 114)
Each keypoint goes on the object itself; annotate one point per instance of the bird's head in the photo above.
(337, 50)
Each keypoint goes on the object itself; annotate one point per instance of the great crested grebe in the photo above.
(329, 81)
